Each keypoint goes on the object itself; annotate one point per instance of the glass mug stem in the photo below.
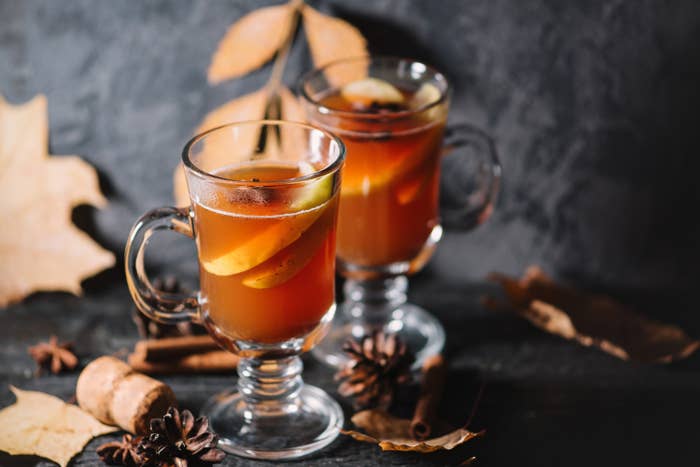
(374, 300)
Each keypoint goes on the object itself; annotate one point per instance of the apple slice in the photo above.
(290, 261)
(278, 235)
(314, 192)
(426, 94)
(262, 246)
(371, 90)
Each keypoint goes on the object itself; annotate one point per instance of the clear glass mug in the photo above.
(264, 199)
(393, 202)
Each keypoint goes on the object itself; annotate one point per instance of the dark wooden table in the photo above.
(546, 401)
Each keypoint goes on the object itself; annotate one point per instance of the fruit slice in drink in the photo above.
(273, 234)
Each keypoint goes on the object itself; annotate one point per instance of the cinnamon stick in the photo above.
(213, 361)
(434, 373)
(167, 349)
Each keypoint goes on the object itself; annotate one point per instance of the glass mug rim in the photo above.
(445, 91)
(204, 174)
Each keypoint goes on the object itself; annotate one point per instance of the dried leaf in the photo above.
(393, 433)
(247, 107)
(291, 107)
(593, 320)
(250, 42)
(332, 39)
(41, 248)
(43, 425)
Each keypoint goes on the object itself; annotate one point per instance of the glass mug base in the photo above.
(421, 331)
(310, 424)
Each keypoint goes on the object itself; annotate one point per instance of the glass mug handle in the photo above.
(163, 307)
(470, 177)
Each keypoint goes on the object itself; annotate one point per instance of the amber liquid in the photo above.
(389, 194)
(266, 266)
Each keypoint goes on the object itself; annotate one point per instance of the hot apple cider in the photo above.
(389, 194)
(267, 252)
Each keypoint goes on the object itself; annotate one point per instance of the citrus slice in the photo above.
(291, 260)
(426, 94)
(314, 192)
(262, 246)
(371, 90)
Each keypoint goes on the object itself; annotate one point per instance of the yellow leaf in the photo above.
(43, 425)
(250, 42)
(332, 39)
(291, 107)
(40, 248)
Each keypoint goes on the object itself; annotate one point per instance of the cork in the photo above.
(115, 394)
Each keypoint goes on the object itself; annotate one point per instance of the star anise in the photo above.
(379, 364)
(149, 329)
(53, 355)
(180, 440)
(124, 452)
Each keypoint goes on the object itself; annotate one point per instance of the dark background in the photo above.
(592, 106)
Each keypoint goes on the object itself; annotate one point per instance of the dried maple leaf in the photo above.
(247, 107)
(40, 247)
(332, 39)
(251, 41)
(43, 425)
(592, 320)
(393, 434)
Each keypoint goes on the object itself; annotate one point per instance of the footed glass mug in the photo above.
(391, 114)
(264, 199)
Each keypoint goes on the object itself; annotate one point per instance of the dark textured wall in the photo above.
(592, 104)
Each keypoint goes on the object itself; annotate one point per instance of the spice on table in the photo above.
(122, 452)
(434, 374)
(170, 348)
(214, 361)
(185, 354)
(53, 355)
(180, 439)
(379, 364)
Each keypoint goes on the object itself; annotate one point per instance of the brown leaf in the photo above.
(333, 39)
(41, 248)
(247, 107)
(250, 42)
(43, 425)
(593, 320)
(393, 434)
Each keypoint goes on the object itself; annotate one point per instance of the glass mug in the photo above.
(264, 200)
(393, 126)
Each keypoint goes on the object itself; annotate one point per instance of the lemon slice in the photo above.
(262, 246)
(290, 261)
(369, 90)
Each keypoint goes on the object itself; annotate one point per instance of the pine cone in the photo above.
(379, 364)
(180, 440)
(149, 329)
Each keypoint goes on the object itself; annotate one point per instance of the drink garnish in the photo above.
(426, 94)
(371, 91)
